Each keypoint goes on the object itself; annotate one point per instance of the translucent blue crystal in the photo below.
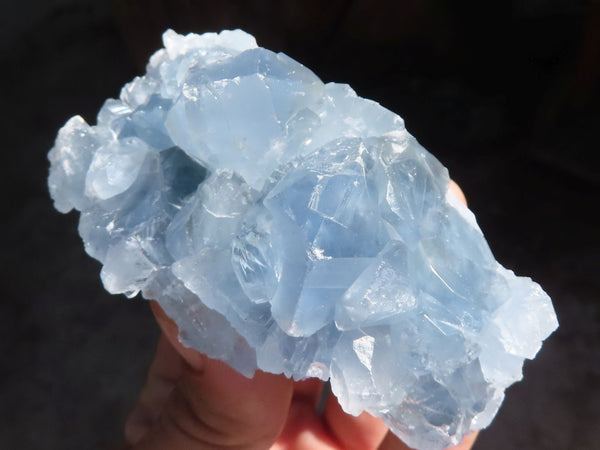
(290, 225)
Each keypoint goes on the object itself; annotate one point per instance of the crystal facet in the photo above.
(292, 226)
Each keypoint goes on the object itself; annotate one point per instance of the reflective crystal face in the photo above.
(292, 226)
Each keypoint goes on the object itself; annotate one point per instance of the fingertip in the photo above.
(216, 406)
(467, 442)
(354, 432)
(304, 430)
(457, 191)
(193, 358)
(238, 411)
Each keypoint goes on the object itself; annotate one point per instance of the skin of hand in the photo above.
(193, 402)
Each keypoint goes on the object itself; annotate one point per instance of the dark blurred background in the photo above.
(505, 93)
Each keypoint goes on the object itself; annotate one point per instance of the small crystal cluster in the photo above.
(292, 226)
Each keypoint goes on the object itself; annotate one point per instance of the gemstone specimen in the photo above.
(291, 226)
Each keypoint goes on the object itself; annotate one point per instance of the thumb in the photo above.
(213, 406)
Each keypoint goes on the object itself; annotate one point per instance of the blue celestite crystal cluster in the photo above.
(290, 225)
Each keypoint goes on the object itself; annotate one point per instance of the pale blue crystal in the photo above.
(292, 226)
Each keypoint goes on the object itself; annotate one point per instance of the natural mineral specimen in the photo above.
(290, 225)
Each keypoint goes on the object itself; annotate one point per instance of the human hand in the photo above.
(193, 402)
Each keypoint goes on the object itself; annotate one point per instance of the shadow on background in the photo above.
(504, 93)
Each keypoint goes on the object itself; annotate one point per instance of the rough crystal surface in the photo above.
(290, 225)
